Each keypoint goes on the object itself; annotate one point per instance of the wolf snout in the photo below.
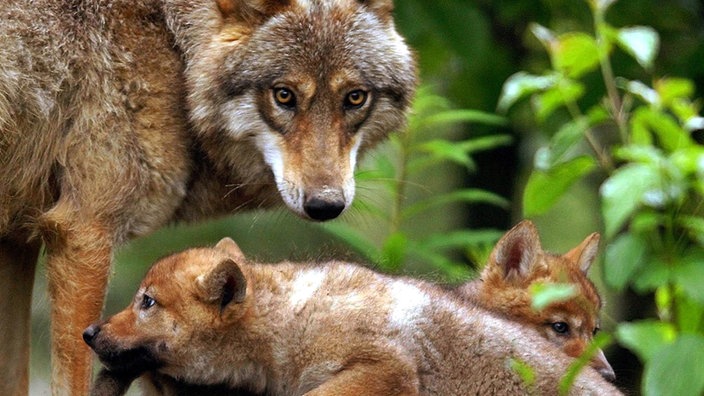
(90, 333)
(325, 204)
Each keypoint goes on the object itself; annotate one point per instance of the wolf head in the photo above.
(518, 262)
(296, 89)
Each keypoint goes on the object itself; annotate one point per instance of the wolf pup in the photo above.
(516, 263)
(120, 116)
(209, 316)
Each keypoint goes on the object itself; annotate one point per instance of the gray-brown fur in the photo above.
(111, 126)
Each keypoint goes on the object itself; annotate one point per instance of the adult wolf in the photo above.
(119, 116)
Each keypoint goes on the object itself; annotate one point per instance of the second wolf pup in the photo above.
(517, 262)
(209, 316)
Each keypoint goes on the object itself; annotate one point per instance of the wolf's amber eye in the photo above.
(147, 302)
(284, 97)
(355, 99)
(560, 327)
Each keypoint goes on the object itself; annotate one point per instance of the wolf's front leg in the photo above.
(79, 252)
(389, 377)
(17, 264)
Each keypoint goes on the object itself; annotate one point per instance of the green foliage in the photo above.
(401, 196)
(525, 371)
(639, 142)
(544, 294)
(599, 341)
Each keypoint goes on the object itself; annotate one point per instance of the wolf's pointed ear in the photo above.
(585, 253)
(230, 247)
(223, 284)
(250, 12)
(382, 8)
(517, 250)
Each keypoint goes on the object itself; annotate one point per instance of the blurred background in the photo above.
(432, 209)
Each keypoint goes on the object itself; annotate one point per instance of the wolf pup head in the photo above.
(178, 294)
(297, 89)
(517, 262)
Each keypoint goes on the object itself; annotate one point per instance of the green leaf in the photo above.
(374, 208)
(644, 338)
(520, 85)
(393, 252)
(524, 370)
(544, 294)
(544, 35)
(623, 259)
(462, 238)
(466, 196)
(567, 91)
(568, 137)
(353, 238)
(544, 188)
(639, 153)
(623, 192)
(575, 54)
(689, 160)
(664, 297)
(671, 89)
(694, 226)
(446, 150)
(451, 270)
(641, 42)
(689, 314)
(600, 341)
(671, 136)
(637, 88)
(473, 116)
(456, 152)
(689, 275)
(383, 168)
(686, 354)
(654, 274)
(484, 143)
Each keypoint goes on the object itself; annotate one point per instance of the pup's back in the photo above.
(291, 329)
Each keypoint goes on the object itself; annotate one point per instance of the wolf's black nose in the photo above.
(321, 210)
(89, 334)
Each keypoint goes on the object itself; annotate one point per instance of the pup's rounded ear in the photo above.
(584, 254)
(516, 251)
(229, 246)
(223, 284)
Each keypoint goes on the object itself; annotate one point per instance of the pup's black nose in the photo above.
(89, 334)
(324, 208)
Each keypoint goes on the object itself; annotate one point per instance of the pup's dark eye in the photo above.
(355, 99)
(147, 302)
(284, 97)
(560, 327)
